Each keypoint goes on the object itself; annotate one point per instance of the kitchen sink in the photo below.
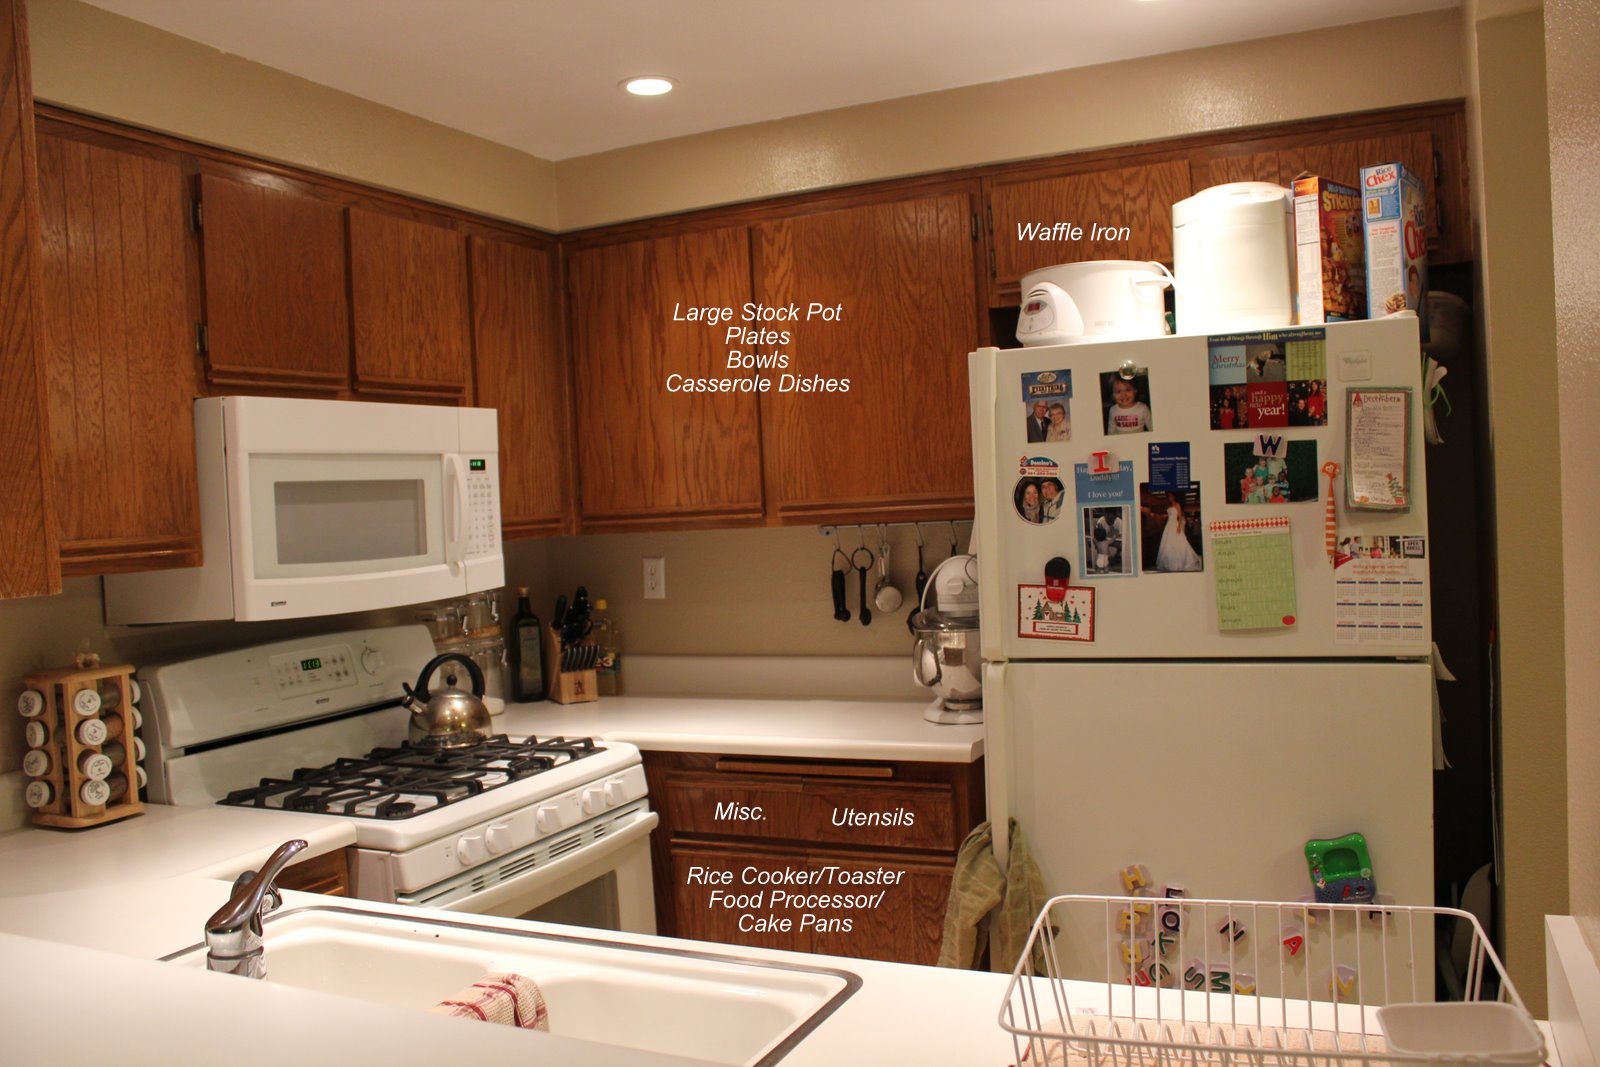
(701, 1005)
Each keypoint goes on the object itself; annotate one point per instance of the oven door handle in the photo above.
(590, 856)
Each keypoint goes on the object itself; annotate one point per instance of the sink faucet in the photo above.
(233, 934)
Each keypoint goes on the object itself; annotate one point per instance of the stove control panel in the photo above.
(313, 670)
(543, 818)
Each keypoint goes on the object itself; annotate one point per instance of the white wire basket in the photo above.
(1110, 981)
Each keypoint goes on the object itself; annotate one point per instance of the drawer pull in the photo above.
(831, 770)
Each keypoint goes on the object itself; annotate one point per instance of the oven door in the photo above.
(603, 884)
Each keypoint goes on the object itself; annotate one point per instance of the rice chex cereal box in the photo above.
(1394, 214)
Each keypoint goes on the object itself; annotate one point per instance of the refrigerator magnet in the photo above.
(1268, 378)
(1039, 500)
(1269, 469)
(1169, 466)
(1125, 398)
(1170, 525)
(1106, 530)
(1047, 405)
(1064, 613)
(1377, 444)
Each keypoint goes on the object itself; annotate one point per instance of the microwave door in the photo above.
(327, 532)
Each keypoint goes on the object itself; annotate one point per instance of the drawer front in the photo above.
(890, 815)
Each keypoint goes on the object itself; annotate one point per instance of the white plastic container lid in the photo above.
(1234, 204)
(1478, 1028)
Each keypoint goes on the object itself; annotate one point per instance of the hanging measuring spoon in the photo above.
(861, 570)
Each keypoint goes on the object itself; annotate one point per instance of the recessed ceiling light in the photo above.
(650, 85)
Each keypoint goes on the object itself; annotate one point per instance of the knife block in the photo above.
(566, 687)
(61, 689)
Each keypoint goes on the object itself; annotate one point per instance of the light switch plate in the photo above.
(655, 577)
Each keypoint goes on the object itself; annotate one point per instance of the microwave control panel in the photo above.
(483, 509)
(313, 670)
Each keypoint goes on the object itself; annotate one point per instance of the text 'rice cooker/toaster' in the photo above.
(1233, 258)
(1096, 300)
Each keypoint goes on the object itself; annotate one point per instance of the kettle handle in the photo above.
(421, 692)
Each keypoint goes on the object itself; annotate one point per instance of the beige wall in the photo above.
(1505, 55)
(1399, 61)
(1572, 41)
(92, 60)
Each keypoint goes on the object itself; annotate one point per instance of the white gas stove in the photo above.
(503, 827)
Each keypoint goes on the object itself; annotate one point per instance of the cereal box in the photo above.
(1332, 282)
(1394, 214)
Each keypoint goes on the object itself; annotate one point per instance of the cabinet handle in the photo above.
(835, 770)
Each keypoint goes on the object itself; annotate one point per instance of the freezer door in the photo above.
(1157, 614)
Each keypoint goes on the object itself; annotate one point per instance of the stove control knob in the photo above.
(371, 660)
(547, 818)
(594, 800)
(469, 849)
(497, 838)
(616, 792)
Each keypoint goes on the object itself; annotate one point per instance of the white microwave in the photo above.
(317, 507)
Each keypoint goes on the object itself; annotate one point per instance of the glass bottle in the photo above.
(608, 671)
(527, 653)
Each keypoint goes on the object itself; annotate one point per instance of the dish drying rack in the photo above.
(1158, 981)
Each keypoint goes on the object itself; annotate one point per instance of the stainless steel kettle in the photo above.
(449, 717)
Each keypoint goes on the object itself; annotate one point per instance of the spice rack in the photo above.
(83, 748)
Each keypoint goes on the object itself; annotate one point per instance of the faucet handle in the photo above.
(254, 893)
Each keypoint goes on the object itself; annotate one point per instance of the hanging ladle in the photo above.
(921, 581)
(862, 569)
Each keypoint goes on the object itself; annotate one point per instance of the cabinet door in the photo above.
(1123, 213)
(647, 455)
(277, 316)
(703, 911)
(907, 926)
(520, 369)
(29, 565)
(408, 300)
(120, 358)
(896, 445)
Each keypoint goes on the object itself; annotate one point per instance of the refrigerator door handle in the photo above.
(997, 759)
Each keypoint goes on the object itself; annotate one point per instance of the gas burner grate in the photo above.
(397, 783)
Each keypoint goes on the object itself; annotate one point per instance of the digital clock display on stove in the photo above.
(311, 664)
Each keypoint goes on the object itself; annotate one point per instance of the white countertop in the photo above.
(825, 729)
(163, 842)
(163, 1013)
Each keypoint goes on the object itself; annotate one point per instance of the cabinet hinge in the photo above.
(202, 341)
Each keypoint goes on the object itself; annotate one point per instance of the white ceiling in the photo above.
(542, 75)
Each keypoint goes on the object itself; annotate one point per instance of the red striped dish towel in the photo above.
(507, 999)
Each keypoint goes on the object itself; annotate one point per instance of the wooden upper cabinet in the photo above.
(277, 317)
(408, 300)
(896, 445)
(520, 369)
(120, 357)
(649, 455)
(1430, 146)
(1123, 212)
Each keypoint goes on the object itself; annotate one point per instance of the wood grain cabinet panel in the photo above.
(120, 358)
(408, 301)
(520, 369)
(648, 455)
(277, 316)
(896, 445)
(804, 841)
(1101, 202)
(29, 563)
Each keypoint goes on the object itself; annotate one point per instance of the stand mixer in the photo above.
(946, 656)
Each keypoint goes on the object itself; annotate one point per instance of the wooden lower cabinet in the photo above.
(328, 874)
(810, 865)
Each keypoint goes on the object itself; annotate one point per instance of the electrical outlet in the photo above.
(655, 577)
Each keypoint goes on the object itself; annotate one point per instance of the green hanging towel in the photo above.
(988, 906)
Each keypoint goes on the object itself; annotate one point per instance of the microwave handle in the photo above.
(454, 519)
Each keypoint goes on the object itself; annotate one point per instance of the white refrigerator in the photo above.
(1205, 708)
